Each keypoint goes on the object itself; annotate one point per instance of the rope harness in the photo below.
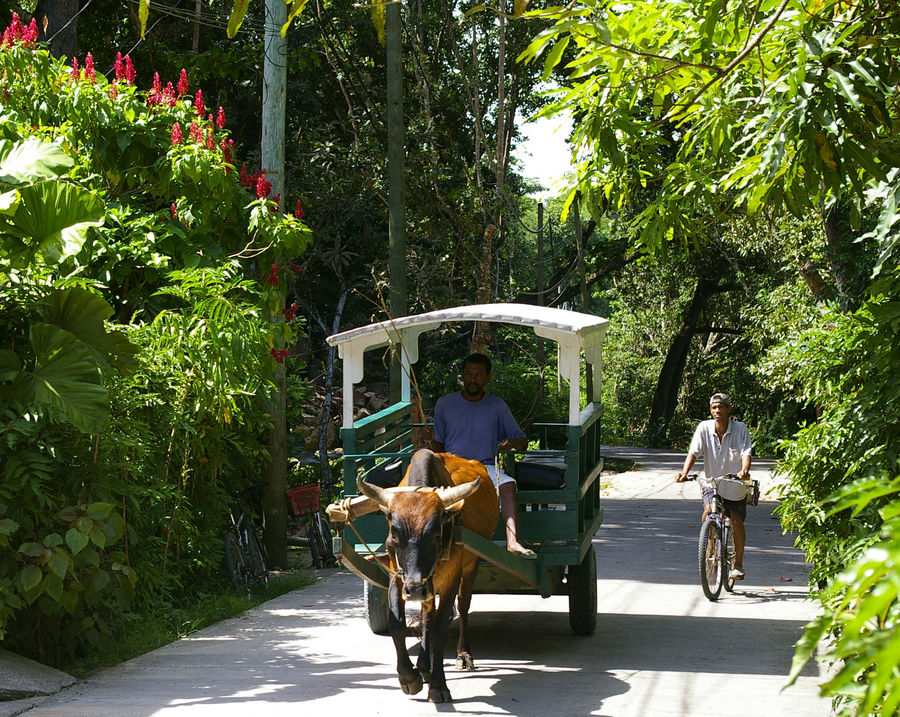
(345, 507)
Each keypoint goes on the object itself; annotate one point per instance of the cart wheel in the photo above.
(582, 581)
(377, 612)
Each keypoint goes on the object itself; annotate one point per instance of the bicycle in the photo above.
(305, 504)
(244, 559)
(715, 549)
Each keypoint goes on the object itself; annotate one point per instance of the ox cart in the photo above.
(559, 490)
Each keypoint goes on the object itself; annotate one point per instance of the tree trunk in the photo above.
(61, 26)
(482, 334)
(665, 397)
(396, 182)
(326, 483)
(274, 494)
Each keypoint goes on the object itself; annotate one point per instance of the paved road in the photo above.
(657, 650)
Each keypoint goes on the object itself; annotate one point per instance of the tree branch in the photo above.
(681, 107)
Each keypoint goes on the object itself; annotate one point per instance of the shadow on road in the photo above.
(655, 541)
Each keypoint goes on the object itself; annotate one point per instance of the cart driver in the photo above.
(477, 425)
(725, 446)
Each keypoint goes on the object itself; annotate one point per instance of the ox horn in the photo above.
(452, 496)
(374, 492)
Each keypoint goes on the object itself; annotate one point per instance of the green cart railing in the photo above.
(559, 523)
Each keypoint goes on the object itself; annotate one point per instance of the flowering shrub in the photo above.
(167, 233)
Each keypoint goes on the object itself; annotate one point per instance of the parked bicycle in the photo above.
(244, 559)
(306, 506)
(715, 549)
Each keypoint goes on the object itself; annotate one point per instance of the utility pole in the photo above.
(396, 177)
(273, 110)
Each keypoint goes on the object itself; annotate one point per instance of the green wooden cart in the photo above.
(559, 522)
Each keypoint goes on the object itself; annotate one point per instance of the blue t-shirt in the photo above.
(472, 429)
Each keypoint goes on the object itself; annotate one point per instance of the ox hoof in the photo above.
(439, 695)
(465, 662)
(411, 685)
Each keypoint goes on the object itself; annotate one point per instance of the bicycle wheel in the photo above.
(728, 581)
(319, 542)
(323, 541)
(256, 562)
(235, 563)
(709, 554)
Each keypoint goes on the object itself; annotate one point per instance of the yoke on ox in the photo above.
(426, 565)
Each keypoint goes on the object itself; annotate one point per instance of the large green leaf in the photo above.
(65, 379)
(82, 313)
(9, 202)
(236, 19)
(56, 216)
(31, 161)
(10, 365)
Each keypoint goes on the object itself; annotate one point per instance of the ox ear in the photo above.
(453, 498)
(374, 492)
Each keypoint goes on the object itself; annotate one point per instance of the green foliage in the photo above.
(122, 442)
(62, 562)
(748, 106)
(843, 498)
(861, 606)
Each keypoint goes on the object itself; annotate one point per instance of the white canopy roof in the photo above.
(573, 331)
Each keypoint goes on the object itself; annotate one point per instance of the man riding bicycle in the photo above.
(725, 446)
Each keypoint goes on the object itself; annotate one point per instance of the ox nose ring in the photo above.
(417, 592)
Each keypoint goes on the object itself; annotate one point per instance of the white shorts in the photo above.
(498, 476)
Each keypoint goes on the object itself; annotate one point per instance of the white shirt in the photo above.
(721, 456)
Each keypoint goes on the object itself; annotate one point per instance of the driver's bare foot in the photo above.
(519, 549)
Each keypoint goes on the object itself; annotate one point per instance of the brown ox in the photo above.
(426, 564)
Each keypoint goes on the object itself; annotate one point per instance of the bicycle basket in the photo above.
(731, 488)
(753, 493)
(304, 499)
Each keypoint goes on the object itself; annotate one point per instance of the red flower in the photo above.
(183, 82)
(130, 73)
(273, 275)
(173, 210)
(176, 133)
(76, 73)
(16, 33)
(113, 92)
(289, 312)
(210, 142)
(298, 212)
(220, 119)
(263, 187)
(120, 67)
(280, 354)
(226, 151)
(89, 72)
(30, 33)
(296, 267)
(199, 107)
(277, 200)
(196, 134)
